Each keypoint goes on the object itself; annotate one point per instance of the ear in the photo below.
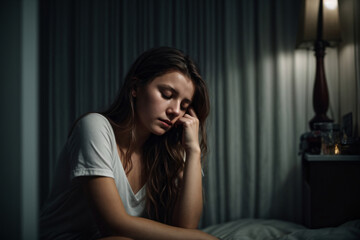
(133, 93)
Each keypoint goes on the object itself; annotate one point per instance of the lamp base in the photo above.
(320, 93)
(319, 118)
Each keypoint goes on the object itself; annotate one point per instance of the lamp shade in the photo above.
(319, 21)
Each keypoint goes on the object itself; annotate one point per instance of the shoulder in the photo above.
(93, 124)
(92, 147)
(93, 119)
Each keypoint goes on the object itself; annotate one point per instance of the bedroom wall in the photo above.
(349, 62)
(10, 62)
(18, 94)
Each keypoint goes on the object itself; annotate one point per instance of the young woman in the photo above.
(134, 171)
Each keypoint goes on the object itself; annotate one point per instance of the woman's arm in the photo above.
(111, 215)
(189, 205)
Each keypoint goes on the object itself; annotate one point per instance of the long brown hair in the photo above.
(163, 156)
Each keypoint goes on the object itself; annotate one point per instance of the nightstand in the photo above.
(331, 189)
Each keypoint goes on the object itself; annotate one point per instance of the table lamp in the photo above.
(319, 28)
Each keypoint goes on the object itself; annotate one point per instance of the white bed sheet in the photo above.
(261, 229)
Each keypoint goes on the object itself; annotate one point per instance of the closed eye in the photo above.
(184, 106)
(166, 95)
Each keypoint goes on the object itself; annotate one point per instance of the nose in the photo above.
(173, 110)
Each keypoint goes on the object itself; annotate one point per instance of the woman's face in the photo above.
(161, 102)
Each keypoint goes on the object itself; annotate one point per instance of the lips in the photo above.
(166, 123)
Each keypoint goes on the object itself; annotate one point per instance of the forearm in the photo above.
(145, 229)
(190, 203)
(115, 221)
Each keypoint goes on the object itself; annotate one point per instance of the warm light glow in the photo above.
(331, 4)
(337, 150)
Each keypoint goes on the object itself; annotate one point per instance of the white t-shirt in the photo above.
(90, 151)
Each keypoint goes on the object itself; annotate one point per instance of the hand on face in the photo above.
(190, 135)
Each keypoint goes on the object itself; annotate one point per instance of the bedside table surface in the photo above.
(317, 157)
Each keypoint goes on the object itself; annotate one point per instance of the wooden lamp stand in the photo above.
(320, 93)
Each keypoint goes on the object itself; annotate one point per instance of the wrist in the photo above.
(193, 151)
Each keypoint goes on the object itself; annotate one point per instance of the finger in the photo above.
(188, 116)
(189, 121)
(179, 122)
(192, 112)
(182, 120)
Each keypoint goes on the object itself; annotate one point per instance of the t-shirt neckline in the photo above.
(139, 194)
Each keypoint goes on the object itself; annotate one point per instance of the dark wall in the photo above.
(10, 143)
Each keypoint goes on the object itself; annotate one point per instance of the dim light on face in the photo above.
(160, 103)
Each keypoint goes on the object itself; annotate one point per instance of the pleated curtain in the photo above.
(260, 87)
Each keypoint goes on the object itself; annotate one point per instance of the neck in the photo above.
(141, 135)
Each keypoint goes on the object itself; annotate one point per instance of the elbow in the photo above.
(186, 220)
(190, 226)
(186, 224)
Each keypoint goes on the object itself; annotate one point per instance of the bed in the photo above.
(261, 229)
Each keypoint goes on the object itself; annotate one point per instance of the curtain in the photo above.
(260, 87)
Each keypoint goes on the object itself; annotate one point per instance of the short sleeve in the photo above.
(91, 147)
